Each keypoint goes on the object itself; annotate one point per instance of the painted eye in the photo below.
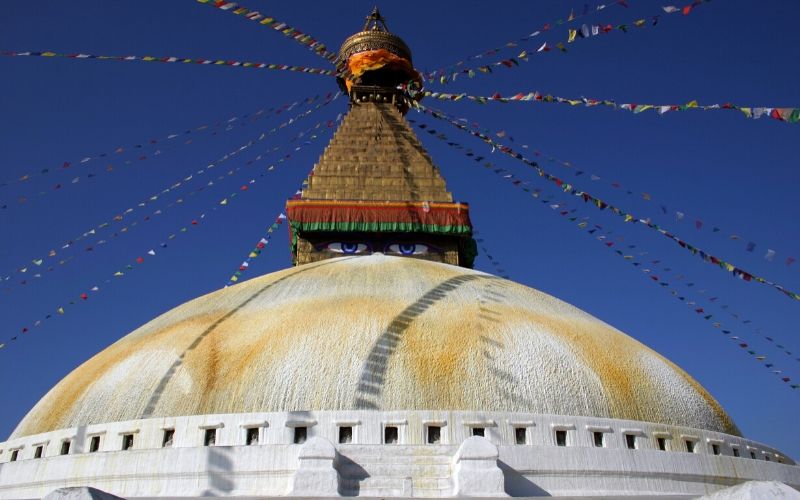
(347, 247)
(409, 248)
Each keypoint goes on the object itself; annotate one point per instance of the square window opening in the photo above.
(766, 457)
(689, 445)
(300, 435)
(94, 444)
(210, 438)
(127, 441)
(715, 449)
(753, 455)
(390, 435)
(14, 455)
(38, 452)
(65, 447)
(434, 434)
(561, 438)
(662, 444)
(168, 439)
(345, 434)
(736, 452)
(630, 441)
(520, 435)
(252, 436)
(598, 439)
(479, 431)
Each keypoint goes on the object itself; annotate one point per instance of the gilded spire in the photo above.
(375, 22)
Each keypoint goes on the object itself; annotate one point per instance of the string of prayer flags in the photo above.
(281, 27)
(522, 184)
(701, 311)
(787, 115)
(573, 35)
(141, 150)
(170, 59)
(432, 75)
(605, 238)
(151, 252)
(679, 216)
(55, 255)
(256, 251)
(603, 205)
(209, 185)
(498, 267)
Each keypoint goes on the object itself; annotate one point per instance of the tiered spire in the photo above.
(375, 188)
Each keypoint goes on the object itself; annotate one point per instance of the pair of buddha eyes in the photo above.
(352, 248)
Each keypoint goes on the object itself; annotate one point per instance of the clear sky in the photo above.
(732, 173)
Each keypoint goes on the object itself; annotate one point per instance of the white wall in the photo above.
(188, 468)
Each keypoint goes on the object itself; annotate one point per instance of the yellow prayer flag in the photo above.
(692, 104)
(60, 310)
(572, 34)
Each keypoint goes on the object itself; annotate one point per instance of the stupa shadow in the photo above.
(352, 475)
(370, 384)
(220, 467)
(152, 403)
(517, 485)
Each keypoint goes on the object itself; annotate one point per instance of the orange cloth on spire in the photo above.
(370, 60)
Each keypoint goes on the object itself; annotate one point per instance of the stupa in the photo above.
(381, 364)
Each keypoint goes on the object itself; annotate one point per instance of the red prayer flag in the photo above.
(84, 296)
(139, 260)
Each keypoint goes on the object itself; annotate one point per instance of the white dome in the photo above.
(376, 332)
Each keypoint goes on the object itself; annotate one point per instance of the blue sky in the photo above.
(730, 172)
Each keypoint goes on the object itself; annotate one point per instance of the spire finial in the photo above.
(375, 21)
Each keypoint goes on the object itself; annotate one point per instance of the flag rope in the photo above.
(788, 115)
(572, 36)
(140, 151)
(281, 27)
(52, 255)
(602, 205)
(172, 59)
(121, 272)
(605, 237)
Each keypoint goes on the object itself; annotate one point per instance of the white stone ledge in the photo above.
(301, 422)
(632, 431)
(254, 425)
(218, 425)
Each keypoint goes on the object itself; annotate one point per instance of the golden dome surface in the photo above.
(376, 332)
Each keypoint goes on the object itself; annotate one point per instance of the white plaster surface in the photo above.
(315, 475)
(376, 332)
(366, 467)
(79, 493)
(755, 490)
(475, 470)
